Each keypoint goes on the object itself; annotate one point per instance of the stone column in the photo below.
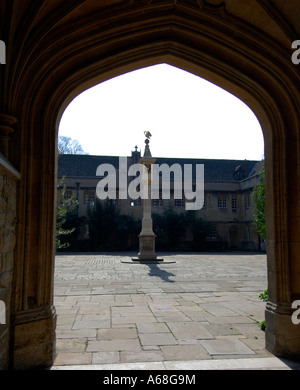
(33, 317)
(147, 236)
(283, 243)
(9, 178)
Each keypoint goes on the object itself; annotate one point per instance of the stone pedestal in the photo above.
(147, 236)
(282, 335)
(34, 338)
(147, 247)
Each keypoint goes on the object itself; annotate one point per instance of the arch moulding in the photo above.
(208, 42)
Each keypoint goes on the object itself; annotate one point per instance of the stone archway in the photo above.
(62, 50)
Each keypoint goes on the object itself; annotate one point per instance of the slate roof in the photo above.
(83, 165)
(214, 170)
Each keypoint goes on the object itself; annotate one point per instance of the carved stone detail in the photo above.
(7, 123)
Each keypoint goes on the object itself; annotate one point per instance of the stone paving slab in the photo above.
(194, 307)
(269, 363)
(226, 347)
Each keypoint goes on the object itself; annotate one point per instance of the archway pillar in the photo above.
(282, 336)
(33, 317)
(34, 338)
(282, 326)
(9, 179)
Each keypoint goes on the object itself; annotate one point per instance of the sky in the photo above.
(187, 116)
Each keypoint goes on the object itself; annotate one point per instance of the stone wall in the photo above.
(8, 196)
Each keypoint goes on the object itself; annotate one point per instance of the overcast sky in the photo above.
(187, 116)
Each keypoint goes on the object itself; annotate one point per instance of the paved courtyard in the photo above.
(190, 311)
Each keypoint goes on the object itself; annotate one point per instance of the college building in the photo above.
(228, 196)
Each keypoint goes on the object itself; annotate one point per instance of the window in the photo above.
(234, 203)
(222, 202)
(136, 202)
(248, 232)
(247, 201)
(179, 202)
(68, 195)
(89, 198)
(213, 233)
(157, 202)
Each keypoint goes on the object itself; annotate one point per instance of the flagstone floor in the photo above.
(191, 310)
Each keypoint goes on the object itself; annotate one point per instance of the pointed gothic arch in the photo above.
(63, 53)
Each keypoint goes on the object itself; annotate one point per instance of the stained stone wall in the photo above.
(8, 193)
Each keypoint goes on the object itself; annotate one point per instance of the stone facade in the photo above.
(228, 196)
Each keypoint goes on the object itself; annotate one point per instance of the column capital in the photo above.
(7, 123)
(7, 119)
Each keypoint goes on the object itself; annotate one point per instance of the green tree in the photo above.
(170, 226)
(65, 207)
(259, 206)
(260, 224)
(199, 227)
(108, 229)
